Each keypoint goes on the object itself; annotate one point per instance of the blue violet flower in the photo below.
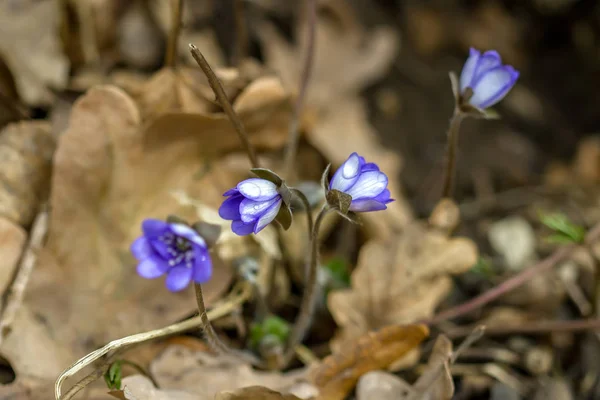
(173, 249)
(364, 182)
(489, 80)
(251, 205)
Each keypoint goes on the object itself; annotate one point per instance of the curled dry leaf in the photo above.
(254, 393)
(400, 280)
(30, 47)
(205, 376)
(111, 171)
(338, 373)
(436, 381)
(26, 150)
(346, 57)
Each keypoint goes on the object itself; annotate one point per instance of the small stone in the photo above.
(381, 386)
(502, 392)
(514, 239)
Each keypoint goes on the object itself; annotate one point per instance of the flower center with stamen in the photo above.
(180, 250)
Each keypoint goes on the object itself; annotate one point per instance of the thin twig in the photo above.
(533, 328)
(229, 305)
(16, 291)
(176, 13)
(310, 291)
(293, 134)
(521, 278)
(96, 374)
(241, 33)
(450, 170)
(211, 336)
(217, 88)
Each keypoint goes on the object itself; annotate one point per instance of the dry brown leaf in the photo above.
(346, 58)
(30, 46)
(345, 129)
(254, 393)
(338, 373)
(204, 375)
(26, 150)
(400, 280)
(12, 240)
(436, 381)
(110, 173)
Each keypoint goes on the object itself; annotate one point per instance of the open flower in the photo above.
(173, 249)
(363, 182)
(251, 205)
(489, 80)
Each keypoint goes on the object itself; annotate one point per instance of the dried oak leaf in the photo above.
(399, 281)
(30, 47)
(205, 376)
(346, 57)
(338, 373)
(111, 171)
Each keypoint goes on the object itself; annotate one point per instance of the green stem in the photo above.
(451, 153)
(310, 291)
(221, 96)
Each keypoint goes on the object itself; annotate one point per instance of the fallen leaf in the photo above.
(205, 375)
(12, 240)
(139, 387)
(399, 281)
(254, 393)
(436, 381)
(346, 58)
(338, 373)
(30, 47)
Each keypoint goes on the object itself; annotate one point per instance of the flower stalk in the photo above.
(451, 149)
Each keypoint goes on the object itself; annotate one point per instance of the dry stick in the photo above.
(241, 33)
(16, 291)
(451, 153)
(521, 278)
(96, 374)
(124, 343)
(176, 13)
(211, 336)
(310, 291)
(217, 88)
(293, 134)
(536, 327)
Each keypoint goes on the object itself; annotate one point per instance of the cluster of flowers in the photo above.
(180, 252)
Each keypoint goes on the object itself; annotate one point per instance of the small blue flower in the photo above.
(489, 80)
(251, 205)
(173, 249)
(363, 182)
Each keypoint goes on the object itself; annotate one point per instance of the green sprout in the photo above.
(113, 376)
(272, 327)
(338, 272)
(564, 231)
(483, 267)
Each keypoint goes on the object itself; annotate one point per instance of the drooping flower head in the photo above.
(364, 182)
(173, 249)
(251, 205)
(489, 80)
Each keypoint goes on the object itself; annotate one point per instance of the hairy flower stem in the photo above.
(211, 336)
(310, 291)
(241, 33)
(451, 153)
(217, 88)
(176, 13)
(293, 134)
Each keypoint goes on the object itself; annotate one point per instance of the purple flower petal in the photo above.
(202, 266)
(488, 61)
(384, 197)
(231, 192)
(230, 209)
(268, 216)
(258, 189)
(468, 71)
(188, 233)
(366, 205)
(242, 229)
(347, 174)
(141, 249)
(251, 210)
(154, 228)
(152, 268)
(369, 167)
(178, 278)
(493, 86)
(369, 185)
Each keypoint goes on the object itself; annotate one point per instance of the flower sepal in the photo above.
(462, 100)
(210, 232)
(268, 175)
(339, 201)
(284, 217)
